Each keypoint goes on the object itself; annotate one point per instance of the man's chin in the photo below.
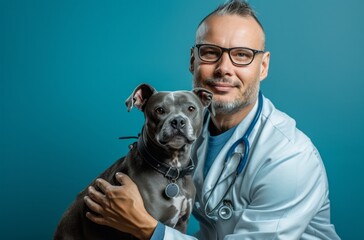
(225, 98)
(227, 106)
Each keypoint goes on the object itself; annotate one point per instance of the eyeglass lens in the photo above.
(241, 56)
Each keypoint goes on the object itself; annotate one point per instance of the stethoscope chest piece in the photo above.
(226, 211)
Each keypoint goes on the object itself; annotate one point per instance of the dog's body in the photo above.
(157, 163)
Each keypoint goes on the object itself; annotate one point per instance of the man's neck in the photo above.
(223, 122)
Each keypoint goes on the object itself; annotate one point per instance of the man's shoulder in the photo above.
(281, 125)
(280, 139)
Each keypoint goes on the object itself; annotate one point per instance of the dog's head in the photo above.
(172, 119)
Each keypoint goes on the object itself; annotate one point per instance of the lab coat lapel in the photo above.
(212, 178)
(200, 156)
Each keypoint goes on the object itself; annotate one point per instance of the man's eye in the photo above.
(160, 110)
(209, 53)
(242, 54)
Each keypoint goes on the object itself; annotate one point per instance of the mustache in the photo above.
(212, 81)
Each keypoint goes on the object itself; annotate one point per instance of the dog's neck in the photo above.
(162, 162)
(173, 157)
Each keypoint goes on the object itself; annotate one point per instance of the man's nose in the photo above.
(224, 65)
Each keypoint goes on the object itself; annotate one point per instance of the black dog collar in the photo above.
(172, 173)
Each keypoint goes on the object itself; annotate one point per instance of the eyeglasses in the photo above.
(240, 56)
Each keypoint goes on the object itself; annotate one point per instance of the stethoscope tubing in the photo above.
(243, 159)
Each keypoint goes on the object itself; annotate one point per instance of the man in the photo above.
(280, 190)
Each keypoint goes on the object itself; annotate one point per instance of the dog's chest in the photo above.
(167, 210)
(152, 186)
(183, 205)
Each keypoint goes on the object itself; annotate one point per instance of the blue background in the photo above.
(67, 67)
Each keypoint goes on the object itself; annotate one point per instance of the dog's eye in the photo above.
(160, 110)
(191, 108)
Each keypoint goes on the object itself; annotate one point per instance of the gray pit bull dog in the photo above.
(159, 163)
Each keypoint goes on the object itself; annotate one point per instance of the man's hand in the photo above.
(120, 207)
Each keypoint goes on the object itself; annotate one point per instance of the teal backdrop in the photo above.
(67, 67)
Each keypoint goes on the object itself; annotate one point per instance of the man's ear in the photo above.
(192, 61)
(139, 96)
(205, 97)
(264, 66)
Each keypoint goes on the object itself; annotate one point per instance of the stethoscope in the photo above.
(224, 207)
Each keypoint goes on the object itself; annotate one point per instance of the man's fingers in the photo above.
(123, 179)
(93, 205)
(97, 219)
(102, 184)
(98, 197)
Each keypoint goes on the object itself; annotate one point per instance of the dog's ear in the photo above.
(205, 97)
(139, 97)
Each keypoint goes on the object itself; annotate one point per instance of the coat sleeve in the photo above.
(164, 232)
(171, 233)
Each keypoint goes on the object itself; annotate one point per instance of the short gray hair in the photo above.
(238, 7)
(234, 7)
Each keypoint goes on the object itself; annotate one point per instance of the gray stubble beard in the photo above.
(220, 107)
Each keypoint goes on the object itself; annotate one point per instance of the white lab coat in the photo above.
(282, 192)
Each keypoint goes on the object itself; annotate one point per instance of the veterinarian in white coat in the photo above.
(281, 189)
(282, 193)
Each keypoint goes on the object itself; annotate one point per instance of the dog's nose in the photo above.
(178, 123)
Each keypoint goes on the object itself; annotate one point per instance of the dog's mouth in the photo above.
(176, 141)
